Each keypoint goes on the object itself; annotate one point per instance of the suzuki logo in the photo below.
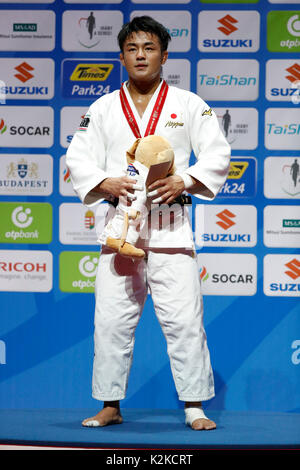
(294, 267)
(24, 72)
(225, 217)
(294, 70)
(227, 22)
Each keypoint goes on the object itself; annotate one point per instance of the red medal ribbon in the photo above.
(155, 115)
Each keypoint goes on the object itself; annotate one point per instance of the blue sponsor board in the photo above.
(241, 180)
(90, 78)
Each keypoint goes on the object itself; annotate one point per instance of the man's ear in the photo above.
(122, 59)
(164, 57)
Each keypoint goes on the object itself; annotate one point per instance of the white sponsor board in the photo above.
(26, 126)
(282, 226)
(88, 30)
(27, 1)
(27, 30)
(228, 31)
(282, 275)
(79, 225)
(160, 1)
(224, 79)
(282, 177)
(282, 129)
(283, 80)
(26, 174)
(178, 24)
(25, 270)
(225, 225)
(240, 126)
(27, 78)
(65, 184)
(70, 118)
(177, 72)
(228, 273)
(94, 1)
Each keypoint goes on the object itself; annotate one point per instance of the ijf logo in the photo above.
(283, 81)
(224, 226)
(233, 31)
(282, 275)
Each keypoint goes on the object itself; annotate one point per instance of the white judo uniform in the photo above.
(170, 271)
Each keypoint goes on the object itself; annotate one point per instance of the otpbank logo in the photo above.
(282, 275)
(224, 80)
(283, 80)
(25, 222)
(228, 31)
(223, 225)
(77, 271)
(283, 31)
(282, 129)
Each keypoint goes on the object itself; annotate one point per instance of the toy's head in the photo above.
(151, 150)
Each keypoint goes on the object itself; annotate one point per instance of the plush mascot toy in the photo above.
(150, 158)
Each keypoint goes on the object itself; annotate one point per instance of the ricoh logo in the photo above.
(229, 33)
(21, 267)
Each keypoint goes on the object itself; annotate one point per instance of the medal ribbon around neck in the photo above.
(155, 115)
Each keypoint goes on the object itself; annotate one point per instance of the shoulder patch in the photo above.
(207, 112)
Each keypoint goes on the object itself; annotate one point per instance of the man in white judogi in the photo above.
(97, 160)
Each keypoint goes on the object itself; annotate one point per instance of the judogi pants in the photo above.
(121, 290)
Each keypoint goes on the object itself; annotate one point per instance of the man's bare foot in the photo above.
(203, 424)
(196, 419)
(108, 415)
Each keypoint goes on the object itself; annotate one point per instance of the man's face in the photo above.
(142, 56)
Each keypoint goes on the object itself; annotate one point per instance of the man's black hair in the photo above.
(147, 25)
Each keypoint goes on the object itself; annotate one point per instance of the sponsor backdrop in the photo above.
(56, 58)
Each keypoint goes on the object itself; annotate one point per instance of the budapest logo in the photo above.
(24, 70)
(3, 127)
(227, 23)
(294, 269)
(226, 219)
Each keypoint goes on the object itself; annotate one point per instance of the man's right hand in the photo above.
(117, 186)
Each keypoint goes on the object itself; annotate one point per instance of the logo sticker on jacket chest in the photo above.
(175, 121)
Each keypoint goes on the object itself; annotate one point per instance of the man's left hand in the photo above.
(165, 190)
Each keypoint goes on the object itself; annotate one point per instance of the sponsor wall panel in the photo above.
(56, 58)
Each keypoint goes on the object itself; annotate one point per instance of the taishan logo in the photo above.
(294, 269)
(227, 23)
(91, 72)
(24, 70)
(294, 72)
(226, 219)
